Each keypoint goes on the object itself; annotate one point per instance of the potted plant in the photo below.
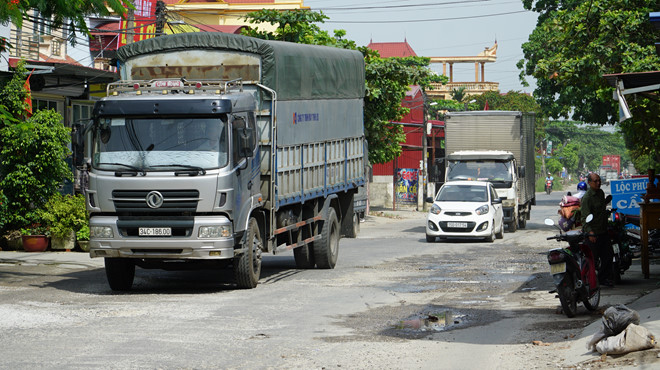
(35, 237)
(64, 216)
(82, 236)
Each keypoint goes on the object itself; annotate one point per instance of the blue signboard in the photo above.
(406, 185)
(626, 194)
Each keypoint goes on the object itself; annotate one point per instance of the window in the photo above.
(56, 47)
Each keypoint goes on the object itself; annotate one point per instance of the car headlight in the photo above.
(435, 209)
(215, 231)
(101, 232)
(482, 210)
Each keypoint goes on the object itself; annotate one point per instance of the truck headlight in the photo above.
(482, 210)
(215, 231)
(101, 232)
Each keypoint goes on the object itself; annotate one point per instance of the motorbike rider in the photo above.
(549, 178)
(582, 189)
(594, 202)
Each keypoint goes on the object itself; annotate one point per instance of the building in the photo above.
(382, 189)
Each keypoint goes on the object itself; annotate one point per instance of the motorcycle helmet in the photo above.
(582, 186)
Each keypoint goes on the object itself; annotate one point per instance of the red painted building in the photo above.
(412, 123)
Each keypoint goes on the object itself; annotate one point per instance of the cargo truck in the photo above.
(495, 146)
(215, 148)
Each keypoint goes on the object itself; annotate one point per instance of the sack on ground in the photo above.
(614, 321)
(633, 338)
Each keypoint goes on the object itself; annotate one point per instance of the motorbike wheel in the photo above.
(567, 297)
(592, 302)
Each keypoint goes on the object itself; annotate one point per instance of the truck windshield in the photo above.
(479, 170)
(155, 144)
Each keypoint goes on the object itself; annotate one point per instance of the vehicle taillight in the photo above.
(555, 257)
(617, 216)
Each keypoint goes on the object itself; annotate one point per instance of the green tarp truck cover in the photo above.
(295, 71)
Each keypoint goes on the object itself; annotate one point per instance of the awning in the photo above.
(632, 83)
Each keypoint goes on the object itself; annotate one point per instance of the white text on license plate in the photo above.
(155, 231)
(558, 268)
(457, 225)
(615, 248)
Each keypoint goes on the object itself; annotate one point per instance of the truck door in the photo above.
(246, 181)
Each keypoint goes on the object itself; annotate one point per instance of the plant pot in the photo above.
(83, 245)
(35, 243)
(66, 243)
(12, 241)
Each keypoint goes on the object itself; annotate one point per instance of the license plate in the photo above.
(615, 248)
(457, 225)
(558, 268)
(155, 231)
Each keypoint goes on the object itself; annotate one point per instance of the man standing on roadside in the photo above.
(595, 203)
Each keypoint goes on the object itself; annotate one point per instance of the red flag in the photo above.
(486, 106)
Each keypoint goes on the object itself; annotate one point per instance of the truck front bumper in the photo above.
(164, 247)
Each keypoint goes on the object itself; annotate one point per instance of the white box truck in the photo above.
(495, 146)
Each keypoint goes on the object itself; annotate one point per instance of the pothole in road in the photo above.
(432, 321)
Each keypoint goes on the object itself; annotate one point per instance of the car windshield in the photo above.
(463, 193)
(479, 170)
(160, 144)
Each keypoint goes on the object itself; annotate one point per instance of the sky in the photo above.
(441, 29)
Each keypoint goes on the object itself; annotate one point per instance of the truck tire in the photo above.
(304, 257)
(512, 226)
(355, 230)
(120, 273)
(522, 222)
(247, 266)
(327, 249)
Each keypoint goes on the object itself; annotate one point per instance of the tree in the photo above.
(574, 44)
(387, 80)
(58, 12)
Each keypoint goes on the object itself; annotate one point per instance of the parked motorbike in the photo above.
(573, 271)
(621, 245)
(548, 186)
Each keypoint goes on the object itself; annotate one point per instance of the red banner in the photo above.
(144, 23)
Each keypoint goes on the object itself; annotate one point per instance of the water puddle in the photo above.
(431, 321)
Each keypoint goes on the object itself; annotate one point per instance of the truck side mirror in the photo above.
(246, 142)
(521, 171)
(78, 144)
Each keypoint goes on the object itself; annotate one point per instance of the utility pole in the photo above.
(130, 25)
(424, 149)
(161, 11)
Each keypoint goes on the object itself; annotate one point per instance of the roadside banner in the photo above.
(407, 180)
(626, 194)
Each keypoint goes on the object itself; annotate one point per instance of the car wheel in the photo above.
(491, 237)
(500, 234)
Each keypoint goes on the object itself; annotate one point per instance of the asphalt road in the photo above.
(393, 301)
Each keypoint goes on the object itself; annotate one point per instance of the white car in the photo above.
(465, 209)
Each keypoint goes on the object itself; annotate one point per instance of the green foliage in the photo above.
(83, 233)
(73, 13)
(574, 44)
(4, 210)
(539, 186)
(459, 94)
(64, 214)
(512, 101)
(581, 148)
(12, 96)
(33, 164)
(387, 80)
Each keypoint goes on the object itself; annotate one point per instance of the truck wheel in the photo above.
(327, 249)
(247, 266)
(355, 230)
(512, 226)
(522, 222)
(304, 256)
(120, 273)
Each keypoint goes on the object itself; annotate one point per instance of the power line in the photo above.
(432, 20)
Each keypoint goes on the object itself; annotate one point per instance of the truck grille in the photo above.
(174, 202)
